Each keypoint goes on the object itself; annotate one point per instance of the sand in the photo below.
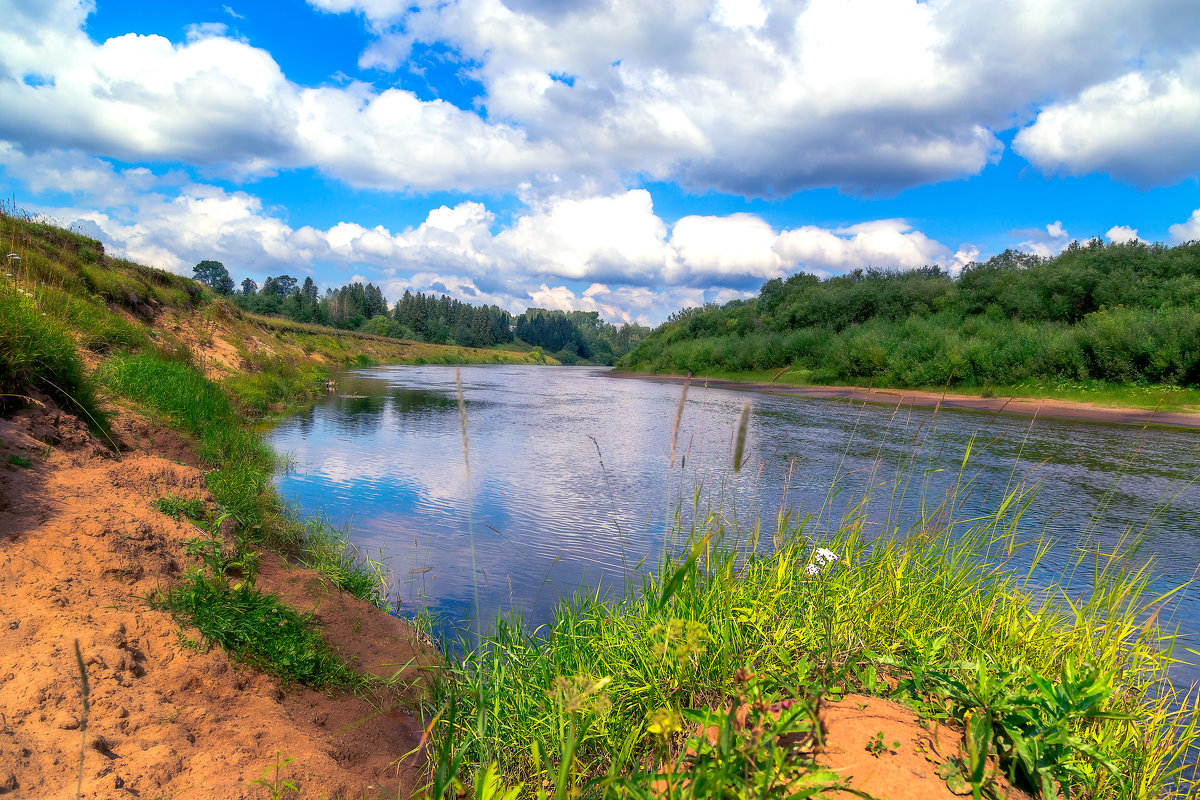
(81, 545)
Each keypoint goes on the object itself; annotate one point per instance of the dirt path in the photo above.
(1049, 409)
(81, 545)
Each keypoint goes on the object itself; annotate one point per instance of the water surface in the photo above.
(570, 477)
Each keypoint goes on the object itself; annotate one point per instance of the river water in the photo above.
(571, 479)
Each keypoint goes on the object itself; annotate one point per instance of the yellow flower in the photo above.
(663, 722)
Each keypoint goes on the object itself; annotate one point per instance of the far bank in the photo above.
(998, 400)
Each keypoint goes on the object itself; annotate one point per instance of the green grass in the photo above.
(218, 597)
(327, 549)
(241, 467)
(20, 461)
(1068, 688)
(241, 464)
(37, 352)
(258, 629)
(254, 627)
(274, 383)
(175, 506)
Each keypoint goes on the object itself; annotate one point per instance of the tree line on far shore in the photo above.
(571, 337)
(1121, 313)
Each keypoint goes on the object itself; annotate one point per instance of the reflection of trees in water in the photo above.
(304, 419)
(356, 414)
(423, 402)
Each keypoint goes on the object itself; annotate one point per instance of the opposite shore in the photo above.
(1048, 408)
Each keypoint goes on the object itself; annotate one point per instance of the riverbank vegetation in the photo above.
(1081, 325)
(713, 676)
(570, 337)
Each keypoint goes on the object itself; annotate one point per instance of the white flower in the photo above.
(812, 569)
(13, 257)
(825, 556)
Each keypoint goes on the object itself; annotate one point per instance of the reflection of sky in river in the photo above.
(547, 518)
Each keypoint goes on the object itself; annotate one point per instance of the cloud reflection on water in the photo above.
(545, 520)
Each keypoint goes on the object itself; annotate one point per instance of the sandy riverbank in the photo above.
(1024, 406)
(82, 543)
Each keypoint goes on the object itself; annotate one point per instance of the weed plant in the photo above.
(1068, 690)
(254, 627)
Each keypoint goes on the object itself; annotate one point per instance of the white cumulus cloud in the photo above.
(756, 97)
(1120, 234)
(609, 253)
(1140, 127)
(1188, 231)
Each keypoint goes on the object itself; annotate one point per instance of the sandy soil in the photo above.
(1033, 407)
(81, 544)
(906, 768)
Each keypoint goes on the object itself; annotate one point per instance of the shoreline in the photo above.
(1068, 410)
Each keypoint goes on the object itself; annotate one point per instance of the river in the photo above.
(571, 478)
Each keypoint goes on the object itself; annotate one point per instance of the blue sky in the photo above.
(608, 155)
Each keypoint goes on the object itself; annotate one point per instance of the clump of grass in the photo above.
(219, 598)
(327, 549)
(258, 629)
(831, 611)
(37, 353)
(274, 382)
(20, 461)
(176, 506)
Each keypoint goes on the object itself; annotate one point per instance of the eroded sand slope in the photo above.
(81, 545)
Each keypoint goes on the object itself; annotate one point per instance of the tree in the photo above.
(249, 287)
(285, 285)
(311, 295)
(214, 275)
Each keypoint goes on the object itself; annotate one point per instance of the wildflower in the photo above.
(812, 569)
(663, 722)
(826, 556)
